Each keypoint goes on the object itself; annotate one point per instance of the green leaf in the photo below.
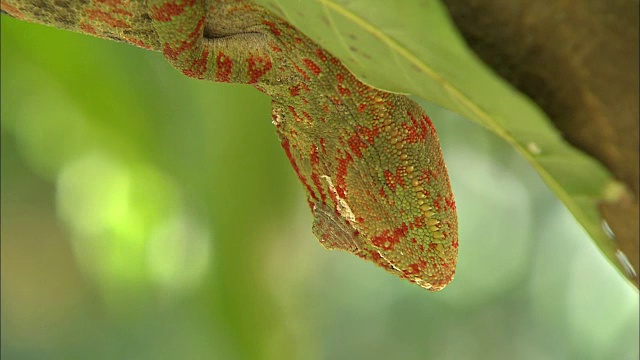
(412, 47)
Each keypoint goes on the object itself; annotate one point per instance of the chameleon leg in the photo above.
(181, 27)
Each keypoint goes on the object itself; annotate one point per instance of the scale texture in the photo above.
(369, 161)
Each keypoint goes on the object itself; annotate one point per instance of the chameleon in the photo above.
(369, 161)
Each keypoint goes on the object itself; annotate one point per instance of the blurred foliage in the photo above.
(146, 215)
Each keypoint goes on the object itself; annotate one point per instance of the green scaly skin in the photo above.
(370, 161)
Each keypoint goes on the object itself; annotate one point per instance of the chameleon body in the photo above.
(369, 161)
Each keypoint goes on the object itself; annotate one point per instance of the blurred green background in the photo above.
(146, 215)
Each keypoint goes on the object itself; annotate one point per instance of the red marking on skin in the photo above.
(359, 220)
(418, 222)
(381, 192)
(314, 158)
(413, 131)
(189, 43)
(450, 203)
(297, 40)
(416, 268)
(400, 175)
(375, 256)
(306, 114)
(432, 174)
(424, 175)
(323, 146)
(361, 255)
(305, 87)
(12, 10)
(137, 42)
(101, 16)
(276, 49)
(198, 66)
(294, 90)
(315, 69)
(326, 236)
(168, 10)
(365, 91)
(369, 134)
(88, 28)
(429, 123)
(362, 107)
(436, 205)
(334, 198)
(343, 90)
(293, 112)
(336, 100)
(387, 240)
(113, 6)
(315, 161)
(390, 180)
(356, 145)
(326, 109)
(396, 179)
(122, 12)
(371, 196)
(258, 66)
(109, 3)
(272, 27)
(411, 136)
(341, 174)
(234, 9)
(259, 88)
(321, 55)
(336, 62)
(301, 72)
(287, 149)
(224, 65)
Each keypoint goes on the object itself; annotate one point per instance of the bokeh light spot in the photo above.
(179, 253)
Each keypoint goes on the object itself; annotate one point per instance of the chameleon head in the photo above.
(414, 243)
(413, 237)
(391, 202)
(375, 177)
